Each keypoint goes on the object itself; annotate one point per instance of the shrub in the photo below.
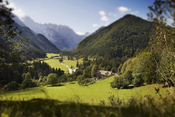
(119, 82)
(78, 72)
(128, 76)
(91, 82)
(69, 80)
(27, 82)
(12, 86)
(52, 79)
(79, 79)
(85, 82)
(138, 80)
(125, 83)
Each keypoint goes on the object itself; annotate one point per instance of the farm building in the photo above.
(102, 73)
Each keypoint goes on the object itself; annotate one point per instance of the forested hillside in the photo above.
(123, 38)
(36, 45)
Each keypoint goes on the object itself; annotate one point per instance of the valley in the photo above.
(124, 68)
(53, 60)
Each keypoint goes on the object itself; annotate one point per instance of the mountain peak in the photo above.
(26, 18)
(123, 38)
(62, 36)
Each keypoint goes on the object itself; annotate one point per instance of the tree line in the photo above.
(16, 72)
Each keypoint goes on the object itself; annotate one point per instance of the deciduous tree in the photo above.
(163, 46)
(52, 79)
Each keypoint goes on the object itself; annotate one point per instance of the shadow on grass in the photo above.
(33, 89)
(72, 83)
(129, 87)
(166, 86)
(58, 85)
(49, 108)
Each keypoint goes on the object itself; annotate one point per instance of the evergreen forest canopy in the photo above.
(17, 72)
(123, 38)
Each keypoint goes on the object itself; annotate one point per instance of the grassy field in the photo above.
(91, 94)
(71, 63)
(53, 60)
(56, 64)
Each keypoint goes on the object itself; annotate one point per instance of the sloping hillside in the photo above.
(123, 38)
(36, 46)
(62, 36)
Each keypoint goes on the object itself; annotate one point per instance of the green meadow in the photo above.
(56, 64)
(92, 94)
(53, 60)
(71, 63)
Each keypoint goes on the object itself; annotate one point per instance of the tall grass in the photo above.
(143, 107)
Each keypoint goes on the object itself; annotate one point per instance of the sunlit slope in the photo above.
(92, 94)
(123, 38)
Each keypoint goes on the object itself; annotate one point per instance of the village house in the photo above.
(102, 73)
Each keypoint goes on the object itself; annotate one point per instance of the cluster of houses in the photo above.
(102, 73)
(98, 74)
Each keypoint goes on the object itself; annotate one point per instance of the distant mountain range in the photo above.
(123, 38)
(62, 36)
(37, 45)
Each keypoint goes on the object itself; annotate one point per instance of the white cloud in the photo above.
(17, 11)
(102, 13)
(123, 9)
(80, 33)
(135, 12)
(113, 14)
(104, 18)
(95, 25)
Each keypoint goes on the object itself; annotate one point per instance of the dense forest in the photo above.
(16, 72)
(124, 38)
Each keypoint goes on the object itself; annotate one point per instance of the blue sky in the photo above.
(80, 15)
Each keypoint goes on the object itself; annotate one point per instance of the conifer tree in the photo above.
(8, 53)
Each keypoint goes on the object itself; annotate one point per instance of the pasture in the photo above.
(70, 63)
(92, 94)
(54, 63)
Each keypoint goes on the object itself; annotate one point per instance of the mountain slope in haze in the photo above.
(37, 44)
(18, 21)
(123, 38)
(62, 36)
